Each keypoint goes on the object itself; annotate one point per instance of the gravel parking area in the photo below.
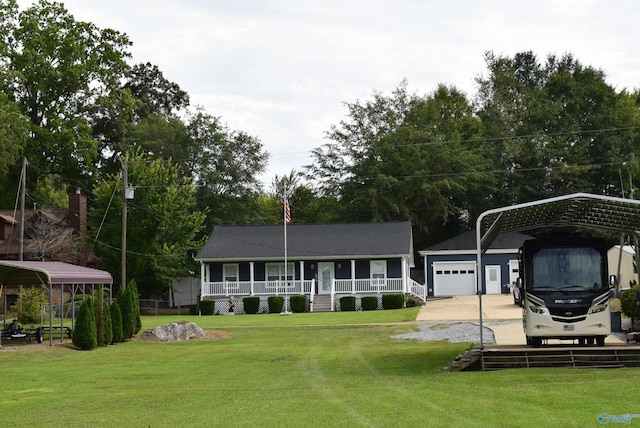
(454, 332)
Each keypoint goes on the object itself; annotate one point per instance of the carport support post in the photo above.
(479, 276)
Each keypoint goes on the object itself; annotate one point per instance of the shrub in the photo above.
(193, 309)
(348, 303)
(84, 332)
(392, 301)
(369, 303)
(29, 305)
(629, 302)
(298, 303)
(127, 311)
(207, 307)
(108, 325)
(251, 304)
(116, 322)
(133, 290)
(275, 304)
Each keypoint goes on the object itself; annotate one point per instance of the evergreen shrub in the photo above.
(275, 304)
(84, 332)
(392, 301)
(369, 303)
(251, 304)
(116, 323)
(207, 307)
(298, 303)
(348, 303)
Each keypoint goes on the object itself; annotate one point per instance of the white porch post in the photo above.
(301, 277)
(251, 271)
(202, 278)
(353, 276)
(404, 275)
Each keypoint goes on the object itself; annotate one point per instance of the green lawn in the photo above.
(336, 369)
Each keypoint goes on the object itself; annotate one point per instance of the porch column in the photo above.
(301, 277)
(404, 274)
(202, 279)
(353, 276)
(251, 276)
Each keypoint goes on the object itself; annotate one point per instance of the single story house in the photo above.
(323, 262)
(450, 266)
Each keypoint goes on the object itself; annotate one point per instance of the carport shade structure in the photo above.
(49, 274)
(582, 210)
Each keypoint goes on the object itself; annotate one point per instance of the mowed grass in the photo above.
(316, 370)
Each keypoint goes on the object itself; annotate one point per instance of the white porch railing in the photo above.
(239, 288)
(418, 289)
(382, 285)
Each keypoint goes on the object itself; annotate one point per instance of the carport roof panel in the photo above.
(54, 273)
(578, 209)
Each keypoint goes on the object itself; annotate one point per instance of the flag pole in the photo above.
(286, 218)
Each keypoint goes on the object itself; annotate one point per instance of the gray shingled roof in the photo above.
(467, 241)
(308, 241)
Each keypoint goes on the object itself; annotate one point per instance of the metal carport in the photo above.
(48, 274)
(582, 210)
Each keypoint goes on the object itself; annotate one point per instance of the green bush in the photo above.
(116, 323)
(84, 332)
(275, 304)
(29, 305)
(251, 304)
(193, 310)
(392, 301)
(369, 303)
(207, 307)
(629, 302)
(298, 303)
(134, 296)
(108, 324)
(348, 303)
(127, 310)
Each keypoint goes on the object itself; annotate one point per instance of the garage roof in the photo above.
(50, 273)
(578, 210)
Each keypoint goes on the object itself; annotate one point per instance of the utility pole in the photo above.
(23, 186)
(125, 185)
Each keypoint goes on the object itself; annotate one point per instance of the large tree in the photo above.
(407, 157)
(555, 127)
(55, 69)
(162, 219)
(226, 165)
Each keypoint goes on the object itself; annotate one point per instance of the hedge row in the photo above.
(101, 324)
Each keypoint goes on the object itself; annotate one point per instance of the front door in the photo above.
(325, 277)
(492, 279)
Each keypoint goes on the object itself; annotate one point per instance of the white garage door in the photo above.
(454, 278)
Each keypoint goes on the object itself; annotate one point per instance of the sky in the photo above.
(281, 70)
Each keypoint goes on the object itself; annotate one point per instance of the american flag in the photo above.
(287, 211)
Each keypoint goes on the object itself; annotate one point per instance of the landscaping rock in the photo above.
(175, 331)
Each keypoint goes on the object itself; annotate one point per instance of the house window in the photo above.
(378, 269)
(230, 273)
(275, 271)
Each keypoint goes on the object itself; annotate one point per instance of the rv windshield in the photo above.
(566, 269)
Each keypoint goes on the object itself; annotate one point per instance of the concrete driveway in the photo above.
(498, 313)
(494, 307)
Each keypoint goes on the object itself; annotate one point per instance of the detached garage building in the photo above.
(450, 266)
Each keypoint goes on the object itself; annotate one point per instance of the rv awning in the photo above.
(50, 273)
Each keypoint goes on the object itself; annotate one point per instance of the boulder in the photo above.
(175, 331)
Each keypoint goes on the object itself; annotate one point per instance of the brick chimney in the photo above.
(78, 212)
